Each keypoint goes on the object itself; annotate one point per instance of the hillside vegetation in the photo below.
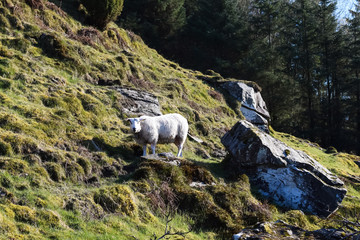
(69, 168)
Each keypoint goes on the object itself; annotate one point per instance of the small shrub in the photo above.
(35, 4)
(102, 12)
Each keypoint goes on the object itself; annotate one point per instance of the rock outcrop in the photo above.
(282, 230)
(287, 176)
(253, 106)
(139, 102)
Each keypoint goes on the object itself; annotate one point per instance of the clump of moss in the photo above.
(5, 148)
(116, 199)
(5, 179)
(14, 166)
(331, 150)
(86, 206)
(56, 172)
(12, 122)
(50, 102)
(4, 98)
(53, 46)
(6, 195)
(7, 225)
(205, 212)
(196, 173)
(48, 218)
(41, 203)
(23, 213)
(85, 164)
(297, 218)
(287, 152)
(74, 171)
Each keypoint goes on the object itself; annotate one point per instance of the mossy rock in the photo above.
(116, 199)
(56, 172)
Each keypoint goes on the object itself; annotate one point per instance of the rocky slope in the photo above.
(69, 168)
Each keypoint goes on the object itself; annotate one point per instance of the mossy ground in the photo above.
(69, 168)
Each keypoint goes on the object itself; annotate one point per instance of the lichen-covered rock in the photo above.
(289, 177)
(253, 106)
(139, 102)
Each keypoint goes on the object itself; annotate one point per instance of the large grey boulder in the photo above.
(287, 176)
(253, 106)
(139, 102)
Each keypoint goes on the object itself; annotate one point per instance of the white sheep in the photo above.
(169, 128)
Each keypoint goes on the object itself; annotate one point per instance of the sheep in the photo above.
(169, 128)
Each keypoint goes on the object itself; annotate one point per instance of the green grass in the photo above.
(52, 113)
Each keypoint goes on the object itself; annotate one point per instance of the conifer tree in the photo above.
(354, 94)
(102, 12)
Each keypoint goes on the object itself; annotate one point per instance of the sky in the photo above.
(343, 7)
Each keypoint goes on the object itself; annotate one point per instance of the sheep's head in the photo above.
(135, 124)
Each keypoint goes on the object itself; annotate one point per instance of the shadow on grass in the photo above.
(216, 168)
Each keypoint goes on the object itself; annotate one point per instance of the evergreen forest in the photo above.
(303, 54)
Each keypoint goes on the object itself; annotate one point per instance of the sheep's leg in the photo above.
(153, 148)
(144, 150)
(179, 154)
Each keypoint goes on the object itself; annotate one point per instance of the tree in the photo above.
(100, 13)
(157, 21)
(354, 93)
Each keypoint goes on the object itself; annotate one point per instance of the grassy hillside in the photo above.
(69, 168)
